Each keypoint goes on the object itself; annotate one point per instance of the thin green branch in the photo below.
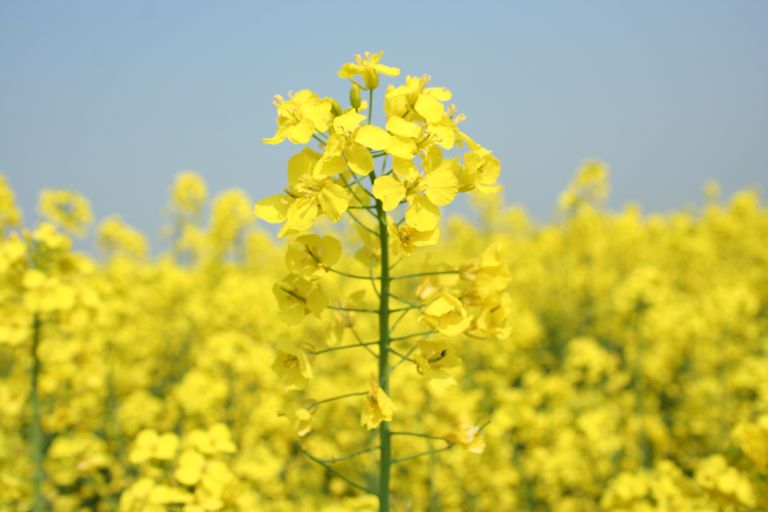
(416, 434)
(336, 472)
(362, 224)
(368, 208)
(406, 358)
(356, 181)
(424, 274)
(399, 319)
(364, 343)
(343, 347)
(413, 335)
(353, 276)
(355, 310)
(403, 357)
(340, 397)
(422, 454)
(404, 301)
(341, 458)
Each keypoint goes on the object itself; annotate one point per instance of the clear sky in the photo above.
(113, 98)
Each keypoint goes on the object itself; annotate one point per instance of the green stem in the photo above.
(385, 438)
(36, 434)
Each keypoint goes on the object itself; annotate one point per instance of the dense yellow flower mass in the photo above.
(606, 361)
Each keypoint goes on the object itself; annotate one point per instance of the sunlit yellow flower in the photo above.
(66, 208)
(189, 193)
(300, 117)
(311, 255)
(189, 467)
(377, 407)
(115, 237)
(434, 358)
(480, 171)
(752, 439)
(405, 239)
(149, 445)
(589, 187)
(292, 365)
(216, 440)
(446, 313)
(297, 297)
(300, 414)
(368, 68)
(468, 436)
(10, 215)
(424, 193)
(308, 194)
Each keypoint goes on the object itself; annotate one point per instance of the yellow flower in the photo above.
(485, 276)
(404, 239)
(308, 194)
(292, 365)
(311, 256)
(10, 215)
(377, 407)
(297, 297)
(115, 237)
(342, 149)
(434, 358)
(167, 495)
(589, 187)
(189, 193)
(189, 467)
(66, 208)
(46, 293)
(149, 445)
(368, 68)
(217, 439)
(480, 171)
(414, 101)
(446, 314)
(424, 193)
(300, 414)
(468, 436)
(752, 440)
(300, 117)
(493, 319)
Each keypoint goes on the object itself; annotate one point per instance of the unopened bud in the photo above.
(354, 96)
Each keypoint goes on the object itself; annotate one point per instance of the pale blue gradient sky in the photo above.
(113, 98)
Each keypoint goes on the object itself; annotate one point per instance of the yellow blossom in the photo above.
(311, 255)
(446, 313)
(292, 365)
(368, 67)
(300, 117)
(468, 436)
(66, 208)
(297, 297)
(377, 407)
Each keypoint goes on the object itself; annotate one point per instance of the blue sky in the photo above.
(113, 98)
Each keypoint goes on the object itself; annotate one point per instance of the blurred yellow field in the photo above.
(377, 356)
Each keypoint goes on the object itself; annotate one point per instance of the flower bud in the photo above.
(354, 96)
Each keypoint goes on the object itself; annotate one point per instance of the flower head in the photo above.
(367, 67)
(377, 407)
